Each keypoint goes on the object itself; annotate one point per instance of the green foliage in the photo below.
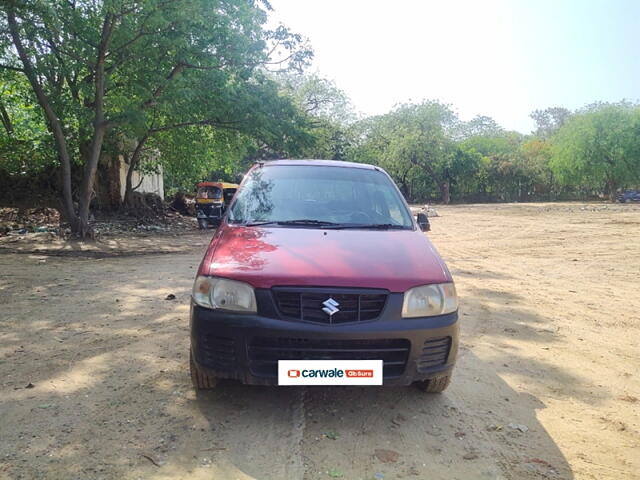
(139, 69)
(191, 154)
(328, 114)
(204, 87)
(549, 120)
(599, 147)
(536, 155)
(431, 155)
(26, 146)
(416, 144)
(479, 126)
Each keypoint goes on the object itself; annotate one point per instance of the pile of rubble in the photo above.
(45, 222)
(428, 210)
(170, 222)
(19, 221)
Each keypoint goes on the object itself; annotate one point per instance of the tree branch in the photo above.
(6, 120)
(133, 163)
(175, 71)
(139, 183)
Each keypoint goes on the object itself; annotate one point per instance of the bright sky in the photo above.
(501, 58)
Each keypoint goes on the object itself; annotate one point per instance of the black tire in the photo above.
(200, 380)
(434, 385)
(203, 224)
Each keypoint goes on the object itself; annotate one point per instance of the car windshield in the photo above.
(320, 196)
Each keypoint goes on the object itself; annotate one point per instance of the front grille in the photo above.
(264, 352)
(307, 305)
(218, 353)
(434, 353)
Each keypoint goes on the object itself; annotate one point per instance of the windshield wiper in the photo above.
(320, 223)
(376, 226)
(255, 224)
(301, 222)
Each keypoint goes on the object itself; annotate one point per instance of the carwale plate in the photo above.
(330, 372)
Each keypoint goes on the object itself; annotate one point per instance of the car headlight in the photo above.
(430, 300)
(213, 292)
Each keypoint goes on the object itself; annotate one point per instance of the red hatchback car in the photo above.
(322, 260)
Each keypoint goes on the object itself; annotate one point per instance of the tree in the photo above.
(318, 97)
(480, 125)
(501, 173)
(413, 137)
(123, 67)
(549, 120)
(599, 147)
(372, 138)
(253, 112)
(535, 153)
(328, 111)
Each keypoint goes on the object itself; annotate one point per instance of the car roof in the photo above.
(321, 163)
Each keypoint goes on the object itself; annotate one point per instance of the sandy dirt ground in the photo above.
(94, 377)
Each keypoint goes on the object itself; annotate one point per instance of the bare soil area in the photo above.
(94, 379)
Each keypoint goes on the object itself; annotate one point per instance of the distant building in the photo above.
(146, 182)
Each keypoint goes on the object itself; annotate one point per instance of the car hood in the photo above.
(395, 260)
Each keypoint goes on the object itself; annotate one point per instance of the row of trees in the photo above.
(204, 88)
(433, 155)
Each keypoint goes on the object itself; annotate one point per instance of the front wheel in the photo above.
(434, 385)
(200, 380)
(203, 224)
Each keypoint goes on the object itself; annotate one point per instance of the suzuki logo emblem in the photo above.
(330, 306)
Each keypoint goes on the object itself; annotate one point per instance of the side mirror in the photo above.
(423, 222)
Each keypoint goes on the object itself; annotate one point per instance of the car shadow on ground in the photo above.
(479, 428)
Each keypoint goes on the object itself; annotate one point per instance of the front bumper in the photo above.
(246, 347)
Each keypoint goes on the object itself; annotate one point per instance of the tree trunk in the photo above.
(99, 130)
(53, 122)
(613, 190)
(444, 192)
(519, 190)
(88, 179)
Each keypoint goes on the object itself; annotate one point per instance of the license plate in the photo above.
(329, 372)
